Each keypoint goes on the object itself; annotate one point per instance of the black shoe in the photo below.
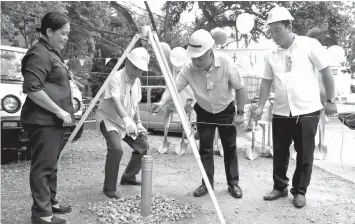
(201, 191)
(130, 182)
(54, 220)
(112, 194)
(61, 210)
(275, 194)
(299, 201)
(235, 191)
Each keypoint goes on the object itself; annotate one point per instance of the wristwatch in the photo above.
(240, 112)
(332, 100)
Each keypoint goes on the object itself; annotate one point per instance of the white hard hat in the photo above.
(278, 14)
(199, 42)
(178, 56)
(140, 58)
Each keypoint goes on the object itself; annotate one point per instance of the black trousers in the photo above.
(46, 143)
(301, 130)
(228, 135)
(114, 156)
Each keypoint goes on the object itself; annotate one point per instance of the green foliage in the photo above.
(328, 22)
(86, 39)
(22, 18)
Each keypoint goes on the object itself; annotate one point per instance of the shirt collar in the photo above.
(46, 44)
(126, 78)
(216, 62)
(294, 42)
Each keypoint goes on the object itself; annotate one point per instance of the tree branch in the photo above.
(166, 20)
(202, 6)
(150, 16)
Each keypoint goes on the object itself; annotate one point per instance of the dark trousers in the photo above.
(46, 143)
(228, 135)
(114, 156)
(302, 132)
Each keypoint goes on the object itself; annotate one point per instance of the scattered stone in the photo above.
(127, 210)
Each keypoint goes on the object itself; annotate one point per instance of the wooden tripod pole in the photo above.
(165, 62)
(98, 95)
(183, 117)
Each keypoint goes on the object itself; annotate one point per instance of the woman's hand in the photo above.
(65, 116)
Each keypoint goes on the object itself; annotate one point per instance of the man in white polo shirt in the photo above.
(213, 79)
(294, 66)
(118, 117)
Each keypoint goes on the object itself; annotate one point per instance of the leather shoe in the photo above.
(130, 182)
(299, 201)
(112, 194)
(61, 210)
(275, 194)
(201, 191)
(54, 220)
(235, 191)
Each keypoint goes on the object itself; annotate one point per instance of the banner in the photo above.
(107, 60)
(82, 61)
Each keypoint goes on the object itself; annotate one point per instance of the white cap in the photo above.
(199, 43)
(278, 14)
(140, 58)
(178, 56)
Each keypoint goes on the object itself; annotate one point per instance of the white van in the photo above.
(13, 137)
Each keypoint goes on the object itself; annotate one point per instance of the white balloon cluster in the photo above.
(219, 35)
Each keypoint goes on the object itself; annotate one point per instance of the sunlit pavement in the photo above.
(340, 141)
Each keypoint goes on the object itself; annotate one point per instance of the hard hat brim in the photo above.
(195, 54)
(274, 21)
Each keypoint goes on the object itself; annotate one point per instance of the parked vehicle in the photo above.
(13, 136)
(152, 94)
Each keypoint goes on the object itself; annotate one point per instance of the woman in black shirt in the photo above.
(47, 113)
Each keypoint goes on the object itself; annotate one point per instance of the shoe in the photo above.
(275, 194)
(61, 210)
(299, 201)
(235, 191)
(112, 194)
(201, 191)
(54, 220)
(130, 182)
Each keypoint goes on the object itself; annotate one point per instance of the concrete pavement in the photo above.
(340, 141)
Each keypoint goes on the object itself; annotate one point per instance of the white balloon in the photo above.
(337, 54)
(178, 56)
(245, 23)
(219, 35)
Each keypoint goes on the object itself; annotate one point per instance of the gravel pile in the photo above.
(128, 211)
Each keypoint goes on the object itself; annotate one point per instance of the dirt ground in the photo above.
(330, 199)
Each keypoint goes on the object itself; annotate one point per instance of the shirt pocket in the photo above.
(301, 63)
(220, 86)
(278, 65)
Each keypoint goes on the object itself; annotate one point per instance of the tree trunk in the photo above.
(166, 20)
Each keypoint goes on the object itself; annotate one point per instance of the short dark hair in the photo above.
(286, 23)
(52, 20)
